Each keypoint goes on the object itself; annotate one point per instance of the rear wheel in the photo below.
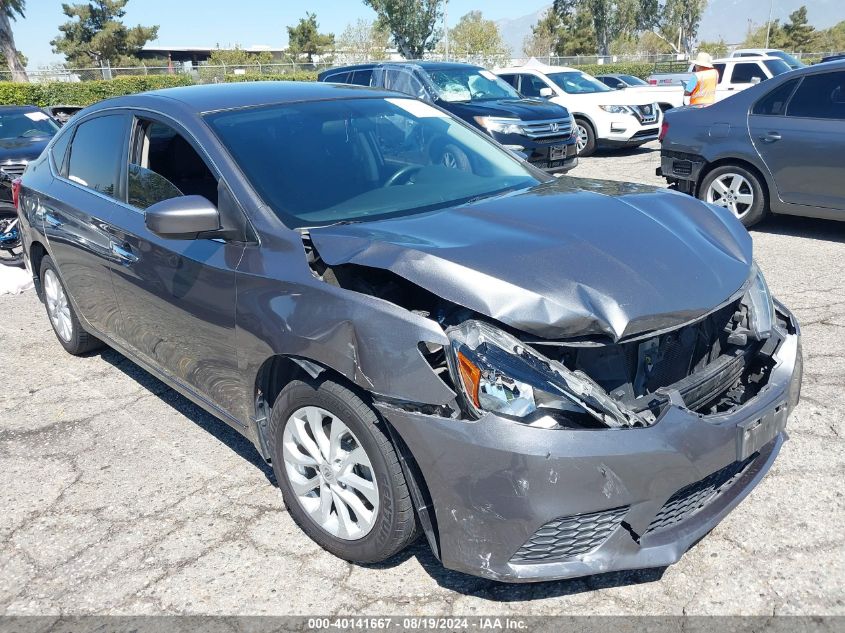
(73, 337)
(339, 474)
(454, 157)
(737, 189)
(586, 138)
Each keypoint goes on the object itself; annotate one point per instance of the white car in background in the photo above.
(667, 97)
(791, 61)
(605, 117)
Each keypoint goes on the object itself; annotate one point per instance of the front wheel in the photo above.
(338, 472)
(737, 189)
(586, 138)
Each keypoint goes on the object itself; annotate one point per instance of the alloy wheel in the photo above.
(733, 192)
(449, 160)
(330, 473)
(58, 308)
(583, 138)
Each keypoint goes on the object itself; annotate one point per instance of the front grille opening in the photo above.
(569, 537)
(693, 498)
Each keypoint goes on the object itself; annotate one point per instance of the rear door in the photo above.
(800, 135)
(76, 213)
(176, 297)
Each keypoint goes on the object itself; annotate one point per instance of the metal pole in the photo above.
(446, 27)
(769, 23)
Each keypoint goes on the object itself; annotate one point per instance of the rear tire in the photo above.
(737, 189)
(453, 157)
(586, 138)
(72, 336)
(317, 477)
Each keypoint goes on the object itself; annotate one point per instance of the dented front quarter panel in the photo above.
(565, 258)
(283, 309)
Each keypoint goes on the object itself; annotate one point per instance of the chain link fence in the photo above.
(206, 73)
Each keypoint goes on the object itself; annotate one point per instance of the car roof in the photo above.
(539, 69)
(19, 108)
(425, 65)
(739, 60)
(228, 96)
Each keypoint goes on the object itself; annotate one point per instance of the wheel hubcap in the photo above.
(58, 308)
(583, 137)
(733, 192)
(330, 473)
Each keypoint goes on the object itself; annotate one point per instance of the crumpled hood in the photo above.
(568, 258)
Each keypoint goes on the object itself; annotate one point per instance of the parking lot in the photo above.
(122, 497)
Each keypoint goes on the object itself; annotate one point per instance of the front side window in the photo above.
(97, 153)
(164, 165)
(632, 80)
(469, 84)
(26, 124)
(744, 73)
(777, 66)
(349, 160)
(820, 96)
(401, 80)
(531, 84)
(575, 82)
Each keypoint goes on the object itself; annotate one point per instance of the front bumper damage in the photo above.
(517, 503)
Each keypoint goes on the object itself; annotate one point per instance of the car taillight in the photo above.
(652, 82)
(16, 192)
(663, 129)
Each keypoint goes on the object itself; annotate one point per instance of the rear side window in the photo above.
(338, 78)
(745, 72)
(774, 103)
(59, 152)
(96, 154)
(820, 97)
(361, 77)
(401, 80)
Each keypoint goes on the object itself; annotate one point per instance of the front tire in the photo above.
(72, 336)
(586, 138)
(339, 474)
(737, 189)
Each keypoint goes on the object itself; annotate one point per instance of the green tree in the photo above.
(798, 33)
(305, 38)
(10, 10)
(238, 57)
(95, 34)
(716, 49)
(755, 37)
(364, 41)
(577, 35)
(674, 21)
(543, 39)
(412, 23)
(832, 39)
(477, 36)
(611, 18)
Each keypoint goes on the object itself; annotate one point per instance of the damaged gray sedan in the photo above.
(547, 377)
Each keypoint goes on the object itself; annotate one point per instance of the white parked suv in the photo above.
(605, 117)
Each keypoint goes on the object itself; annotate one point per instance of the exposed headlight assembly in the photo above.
(500, 125)
(617, 109)
(761, 308)
(498, 373)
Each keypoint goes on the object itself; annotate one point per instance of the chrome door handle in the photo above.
(123, 253)
(771, 137)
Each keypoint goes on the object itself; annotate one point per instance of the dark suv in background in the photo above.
(543, 132)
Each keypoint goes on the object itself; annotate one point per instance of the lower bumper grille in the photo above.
(695, 497)
(568, 537)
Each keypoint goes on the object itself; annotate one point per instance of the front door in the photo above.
(176, 297)
(803, 146)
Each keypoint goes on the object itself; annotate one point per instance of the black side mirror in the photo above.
(182, 218)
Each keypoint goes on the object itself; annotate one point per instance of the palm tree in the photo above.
(9, 10)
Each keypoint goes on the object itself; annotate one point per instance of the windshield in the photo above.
(777, 67)
(791, 61)
(323, 162)
(633, 81)
(470, 84)
(26, 124)
(575, 82)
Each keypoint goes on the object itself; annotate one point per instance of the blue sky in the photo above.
(244, 22)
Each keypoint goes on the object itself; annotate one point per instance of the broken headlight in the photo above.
(498, 373)
(760, 306)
